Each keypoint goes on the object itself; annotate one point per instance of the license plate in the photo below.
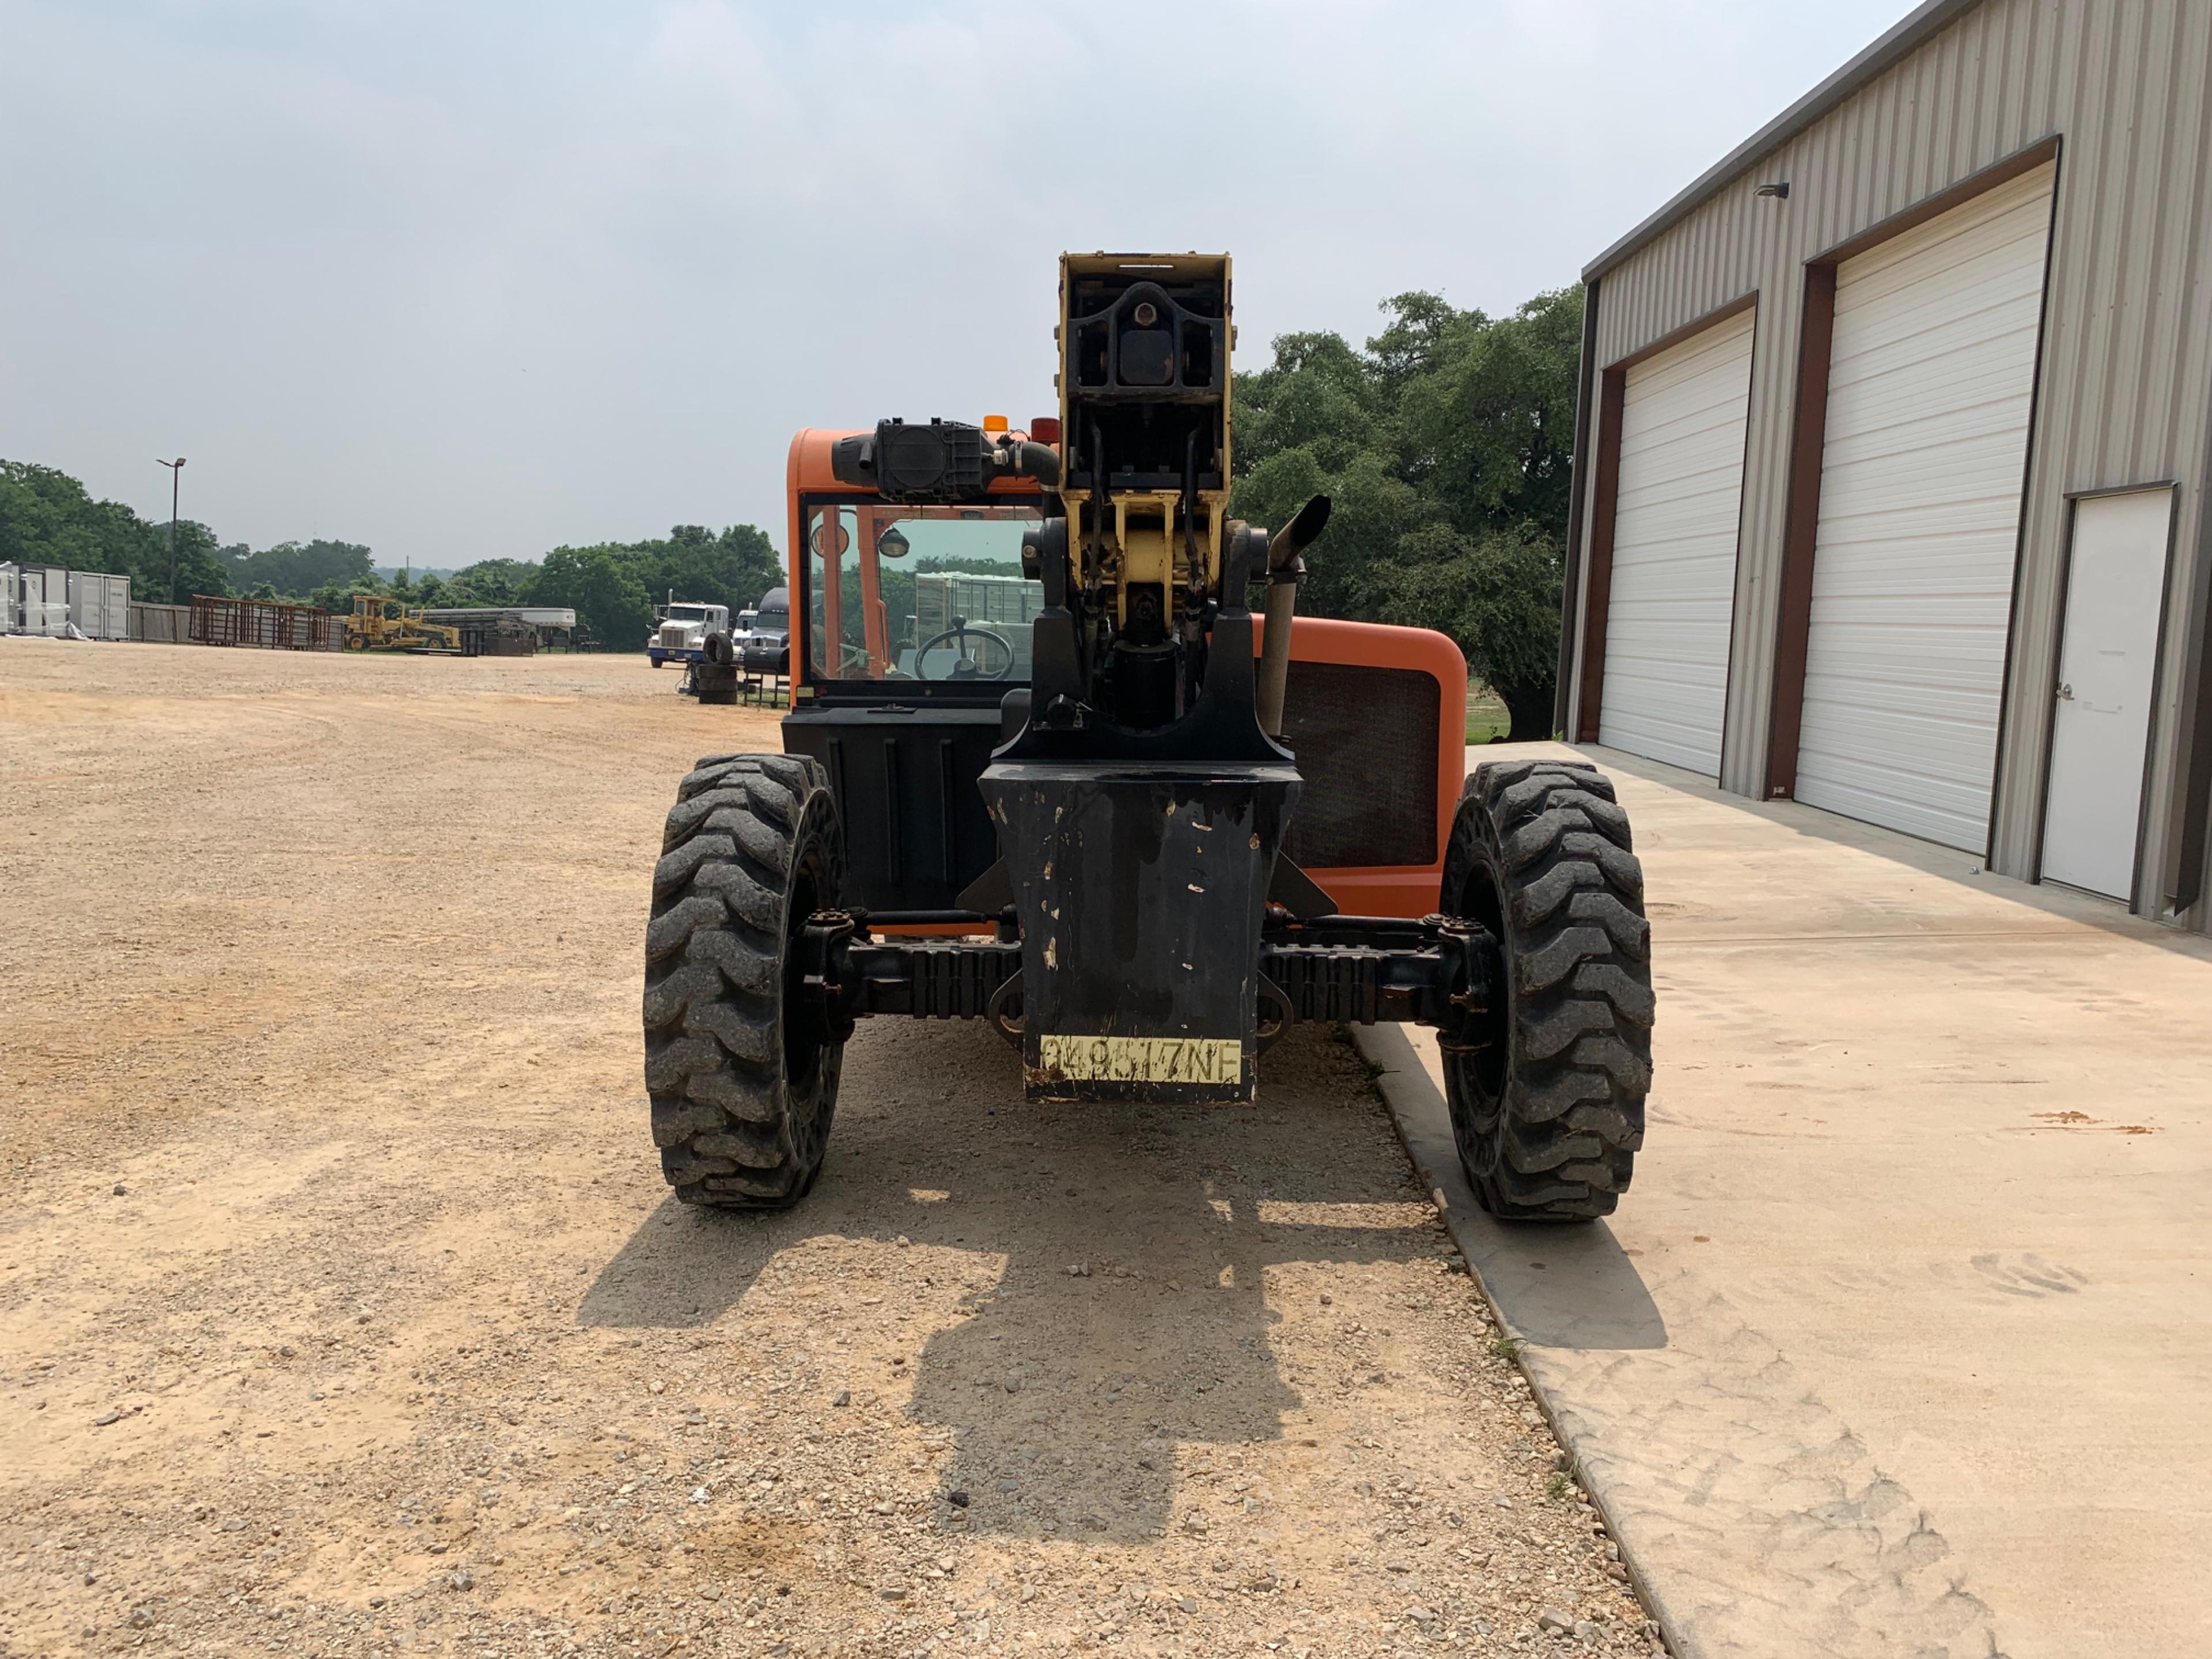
(1140, 1060)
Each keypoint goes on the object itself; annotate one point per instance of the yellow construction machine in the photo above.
(382, 624)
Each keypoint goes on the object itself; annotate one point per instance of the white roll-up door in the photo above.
(1931, 384)
(1673, 595)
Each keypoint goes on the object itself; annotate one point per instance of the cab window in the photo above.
(930, 593)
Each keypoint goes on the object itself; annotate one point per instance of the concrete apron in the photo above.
(1902, 1342)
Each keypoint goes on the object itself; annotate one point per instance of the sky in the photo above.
(470, 280)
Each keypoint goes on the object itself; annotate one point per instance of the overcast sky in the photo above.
(470, 279)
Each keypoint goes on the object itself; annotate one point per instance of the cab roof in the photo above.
(808, 470)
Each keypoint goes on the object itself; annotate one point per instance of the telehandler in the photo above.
(1142, 832)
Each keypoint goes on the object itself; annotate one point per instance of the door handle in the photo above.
(2065, 693)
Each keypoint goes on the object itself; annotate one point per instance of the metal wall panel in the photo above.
(161, 624)
(2124, 393)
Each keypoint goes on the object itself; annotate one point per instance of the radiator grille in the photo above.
(1366, 743)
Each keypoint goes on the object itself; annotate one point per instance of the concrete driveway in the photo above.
(1902, 1342)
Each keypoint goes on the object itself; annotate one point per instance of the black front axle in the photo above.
(1357, 970)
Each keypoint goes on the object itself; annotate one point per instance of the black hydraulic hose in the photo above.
(1191, 575)
(1100, 496)
(1031, 459)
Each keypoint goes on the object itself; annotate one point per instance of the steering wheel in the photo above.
(964, 668)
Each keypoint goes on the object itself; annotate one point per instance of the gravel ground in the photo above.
(342, 1310)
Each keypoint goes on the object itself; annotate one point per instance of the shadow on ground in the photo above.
(1067, 1392)
(1558, 1287)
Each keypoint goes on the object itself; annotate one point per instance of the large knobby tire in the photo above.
(742, 1098)
(1548, 1112)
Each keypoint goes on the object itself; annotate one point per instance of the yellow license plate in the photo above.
(1140, 1060)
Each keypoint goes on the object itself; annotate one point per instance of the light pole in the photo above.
(176, 471)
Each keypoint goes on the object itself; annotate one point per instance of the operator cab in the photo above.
(909, 628)
(925, 601)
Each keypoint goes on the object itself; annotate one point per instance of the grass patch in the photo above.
(1505, 1347)
(1486, 718)
(1566, 1482)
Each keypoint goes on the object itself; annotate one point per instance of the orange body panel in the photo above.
(1393, 890)
(1382, 891)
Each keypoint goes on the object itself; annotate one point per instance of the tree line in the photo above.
(1445, 443)
(47, 517)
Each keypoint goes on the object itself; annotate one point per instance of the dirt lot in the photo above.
(342, 1309)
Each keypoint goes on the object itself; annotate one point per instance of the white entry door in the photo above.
(2101, 739)
(1682, 420)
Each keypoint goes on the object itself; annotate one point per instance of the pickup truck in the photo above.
(680, 633)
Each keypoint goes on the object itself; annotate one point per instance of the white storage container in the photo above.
(100, 605)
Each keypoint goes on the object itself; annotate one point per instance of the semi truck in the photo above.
(680, 630)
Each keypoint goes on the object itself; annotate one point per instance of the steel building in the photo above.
(1898, 424)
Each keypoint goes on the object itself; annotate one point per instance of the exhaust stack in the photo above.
(1285, 569)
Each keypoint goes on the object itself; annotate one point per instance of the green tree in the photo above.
(1319, 396)
(336, 597)
(1498, 596)
(1445, 445)
(599, 584)
(46, 517)
(297, 569)
(200, 565)
(491, 583)
(1492, 423)
(692, 563)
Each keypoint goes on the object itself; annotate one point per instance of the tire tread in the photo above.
(1559, 1142)
(722, 1107)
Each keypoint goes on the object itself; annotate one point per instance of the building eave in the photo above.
(1901, 41)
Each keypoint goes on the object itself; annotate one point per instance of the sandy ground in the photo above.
(342, 1309)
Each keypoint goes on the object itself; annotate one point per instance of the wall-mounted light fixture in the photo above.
(1780, 191)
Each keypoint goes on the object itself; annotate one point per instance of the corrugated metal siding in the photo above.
(2126, 390)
